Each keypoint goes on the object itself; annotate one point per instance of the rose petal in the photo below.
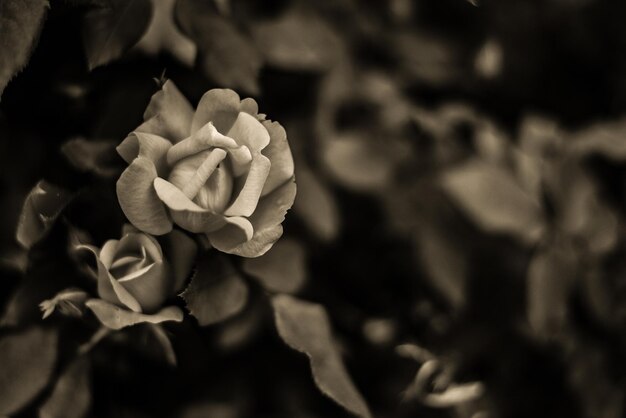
(219, 106)
(186, 213)
(203, 139)
(109, 289)
(266, 221)
(181, 251)
(248, 131)
(107, 252)
(217, 191)
(169, 114)
(279, 154)
(138, 199)
(246, 201)
(250, 106)
(114, 317)
(153, 147)
(240, 159)
(238, 231)
(133, 243)
(149, 286)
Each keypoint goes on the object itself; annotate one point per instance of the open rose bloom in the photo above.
(223, 171)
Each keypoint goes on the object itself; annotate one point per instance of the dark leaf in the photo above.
(216, 291)
(111, 30)
(227, 56)
(97, 157)
(20, 24)
(492, 198)
(281, 269)
(71, 396)
(305, 327)
(28, 359)
(297, 41)
(41, 207)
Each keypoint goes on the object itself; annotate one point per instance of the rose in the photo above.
(223, 171)
(135, 278)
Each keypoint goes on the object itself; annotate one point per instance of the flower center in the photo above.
(130, 264)
(205, 178)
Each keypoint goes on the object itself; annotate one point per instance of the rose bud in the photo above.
(222, 170)
(135, 278)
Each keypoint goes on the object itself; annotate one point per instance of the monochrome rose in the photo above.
(135, 278)
(222, 170)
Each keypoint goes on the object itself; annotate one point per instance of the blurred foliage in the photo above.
(457, 243)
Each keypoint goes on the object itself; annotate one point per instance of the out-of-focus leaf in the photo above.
(164, 341)
(28, 359)
(282, 269)
(492, 198)
(20, 24)
(69, 302)
(316, 204)
(355, 165)
(227, 56)
(297, 41)
(305, 327)
(444, 263)
(549, 280)
(606, 139)
(216, 291)
(113, 28)
(96, 157)
(41, 207)
(489, 59)
(164, 35)
(71, 396)
(211, 409)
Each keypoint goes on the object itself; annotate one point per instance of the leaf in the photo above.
(444, 262)
(216, 291)
(297, 41)
(164, 35)
(281, 269)
(28, 359)
(97, 157)
(492, 198)
(71, 396)
(550, 277)
(111, 30)
(305, 327)
(316, 204)
(354, 164)
(226, 55)
(20, 24)
(42, 206)
(606, 139)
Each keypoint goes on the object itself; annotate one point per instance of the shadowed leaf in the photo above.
(111, 30)
(281, 269)
(305, 327)
(71, 396)
(216, 291)
(27, 360)
(20, 24)
(41, 207)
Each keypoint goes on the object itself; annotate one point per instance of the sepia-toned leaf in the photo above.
(20, 25)
(316, 204)
(281, 269)
(113, 28)
(95, 157)
(492, 198)
(297, 41)
(216, 291)
(41, 207)
(28, 359)
(226, 55)
(71, 396)
(305, 327)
